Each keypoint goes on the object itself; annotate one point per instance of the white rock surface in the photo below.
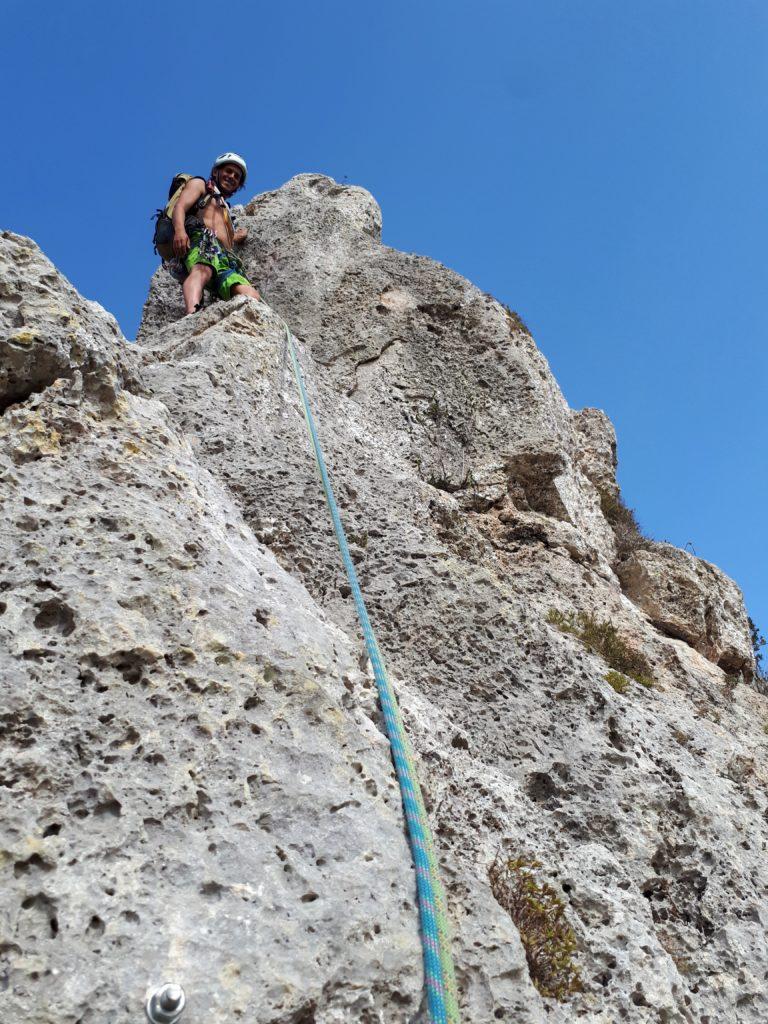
(48, 330)
(197, 785)
(689, 598)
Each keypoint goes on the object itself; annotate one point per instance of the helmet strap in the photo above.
(217, 190)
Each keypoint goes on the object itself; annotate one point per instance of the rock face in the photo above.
(688, 598)
(198, 785)
(47, 330)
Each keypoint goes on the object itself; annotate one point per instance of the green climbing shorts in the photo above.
(209, 252)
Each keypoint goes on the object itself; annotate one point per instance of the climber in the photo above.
(204, 234)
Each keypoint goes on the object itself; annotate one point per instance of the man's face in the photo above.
(230, 177)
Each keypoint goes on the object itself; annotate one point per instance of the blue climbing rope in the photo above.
(440, 980)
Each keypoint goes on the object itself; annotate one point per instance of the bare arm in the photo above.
(240, 235)
(193, 191)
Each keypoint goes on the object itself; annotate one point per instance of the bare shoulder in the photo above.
(194, 188)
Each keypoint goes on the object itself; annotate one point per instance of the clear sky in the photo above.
(598, 165)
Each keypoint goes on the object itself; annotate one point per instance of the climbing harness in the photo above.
(440, 981)
(162, 239)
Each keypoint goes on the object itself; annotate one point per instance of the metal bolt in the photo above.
(166, 1004)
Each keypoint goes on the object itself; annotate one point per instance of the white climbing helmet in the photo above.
(231, 158)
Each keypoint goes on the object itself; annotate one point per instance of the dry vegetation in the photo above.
(604, 639)
(623, 522)
(539, 916)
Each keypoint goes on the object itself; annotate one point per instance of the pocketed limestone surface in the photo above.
(197, 784)
(685, 596)
(196, 781)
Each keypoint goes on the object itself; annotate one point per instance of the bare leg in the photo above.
(198, 278)
(245, 289)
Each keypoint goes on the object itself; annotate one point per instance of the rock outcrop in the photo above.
(48, 332)
(689, 598)
(198, 784)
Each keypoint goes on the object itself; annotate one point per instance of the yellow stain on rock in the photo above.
(244, 890)
(178, 961)
(267, 778)
(334, 717)
(33, 845)
(65, 315)
(176, 470)
(24, 338)
(218, 645)
(253, 673)
(121, 406)
(35, 436)
(240, 993)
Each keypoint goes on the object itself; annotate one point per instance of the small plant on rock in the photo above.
(435, 411)
(623, 522)
(619, 682)
(604, 639)
(758, 643)
(516, 322)
(539, 916)
(732, 680)
(565, 623)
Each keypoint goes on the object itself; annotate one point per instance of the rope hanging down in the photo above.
(435, 932)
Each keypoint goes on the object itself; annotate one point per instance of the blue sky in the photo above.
(599, 166)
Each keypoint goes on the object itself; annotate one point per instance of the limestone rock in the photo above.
(48, 331)
(686, 597)
(200, 786)
(312, 219)
(202, 789)
(455, 380)
(596, 447)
